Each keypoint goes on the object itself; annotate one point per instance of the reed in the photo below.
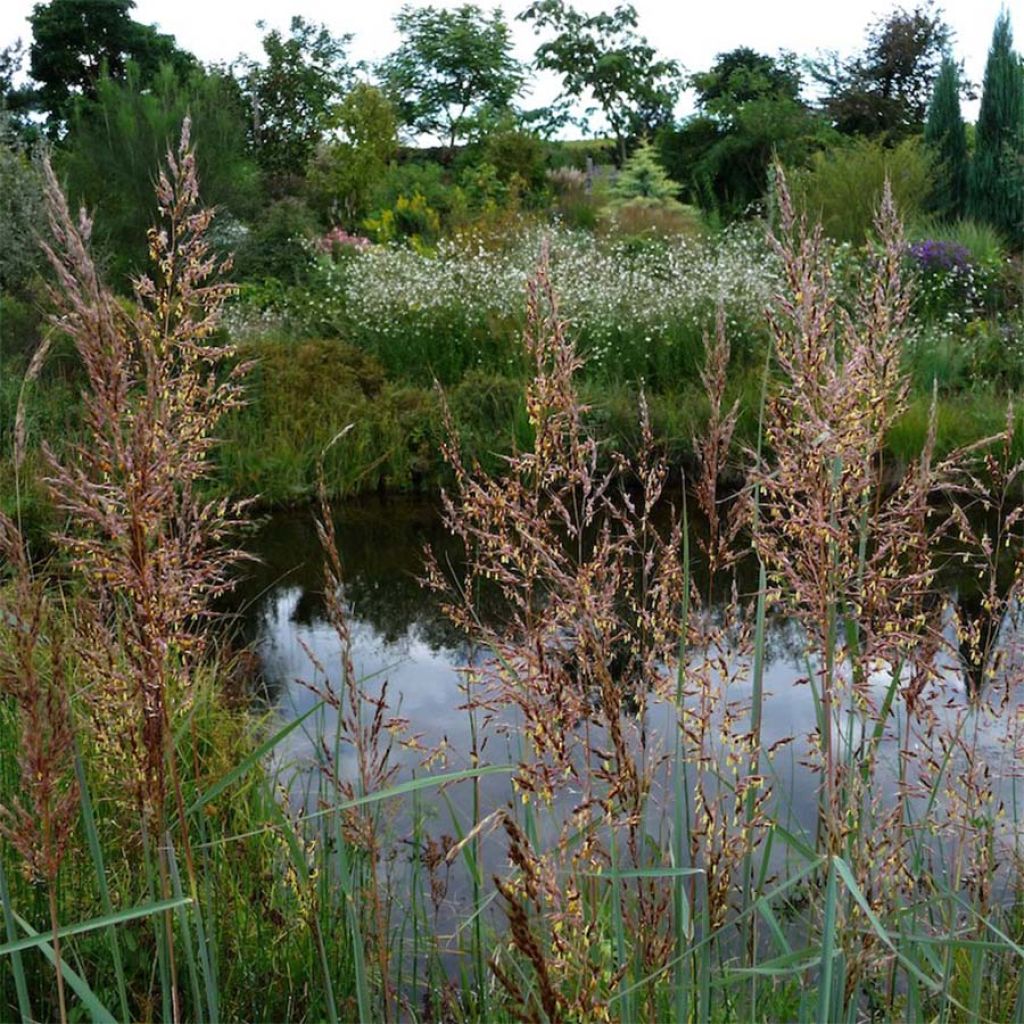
(648, 860)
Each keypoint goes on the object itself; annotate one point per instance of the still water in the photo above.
(401, 638)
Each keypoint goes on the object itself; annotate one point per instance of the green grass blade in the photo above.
(99, 865)
(97, 1011)
(844, 872)
(132, 914)
(186, 931)
(249, 762)
(20, 984)
(828, 948)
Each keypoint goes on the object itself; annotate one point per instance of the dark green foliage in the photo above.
(278, 246)
(75, 43)
(517, 155)
(750, 113)
(291, 96)
(997, 171)
(428, 179)
(884, 90)
(16, 101)
(603, 57)
(454, 72)
(743, 74)
(116, 141)
(944, 132)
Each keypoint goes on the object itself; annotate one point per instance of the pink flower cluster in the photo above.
(338, 238)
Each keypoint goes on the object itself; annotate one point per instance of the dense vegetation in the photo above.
(553, 331)
(383, 267)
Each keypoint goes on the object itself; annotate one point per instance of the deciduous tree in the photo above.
(453, 72)
(602, 57)
(885, 89)
(76, 42)
(292, 94)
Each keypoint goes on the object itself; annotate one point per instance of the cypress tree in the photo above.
(946, 136)
(997, 170)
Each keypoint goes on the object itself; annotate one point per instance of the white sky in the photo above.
(218, 30)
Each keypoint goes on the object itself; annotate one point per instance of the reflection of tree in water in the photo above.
(382, 543)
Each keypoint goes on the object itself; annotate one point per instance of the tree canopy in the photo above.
(453, 71)
(603, 57)
(292, 93)
(885, 89)
(76, 42)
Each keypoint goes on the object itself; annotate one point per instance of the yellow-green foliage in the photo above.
(411, 218)
(843, 186)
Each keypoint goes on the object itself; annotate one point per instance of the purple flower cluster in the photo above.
(935, 255)
(339, 238)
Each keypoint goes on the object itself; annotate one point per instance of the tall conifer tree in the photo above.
(997, 170)
(946, 136)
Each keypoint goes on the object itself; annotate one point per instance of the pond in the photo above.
(399, 636)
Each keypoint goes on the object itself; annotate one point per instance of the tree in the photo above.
(115, 142)
(602, 56)
(945, 134)
(292, 95)
(643, 177)
(750, 112)
(16, 101)
(453, 72)
(742, 75)
(76, 42)
(885, 89)
(997, 171)
(342, 174)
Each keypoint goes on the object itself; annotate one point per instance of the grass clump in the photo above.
(192, 871)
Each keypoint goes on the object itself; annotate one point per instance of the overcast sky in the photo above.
(218, 30)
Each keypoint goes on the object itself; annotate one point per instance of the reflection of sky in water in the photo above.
(399, 635)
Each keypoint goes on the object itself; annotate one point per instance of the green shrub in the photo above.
(411, 219)
(843, 186)
(279, 243)
(21, 323)
(420, 178)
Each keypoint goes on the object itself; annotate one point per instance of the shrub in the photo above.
(21, 324)
(427, 179)
(843, 186)
(278, 246)
(411, 219)
(21, 210)
(517, 155)
(643, 177)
